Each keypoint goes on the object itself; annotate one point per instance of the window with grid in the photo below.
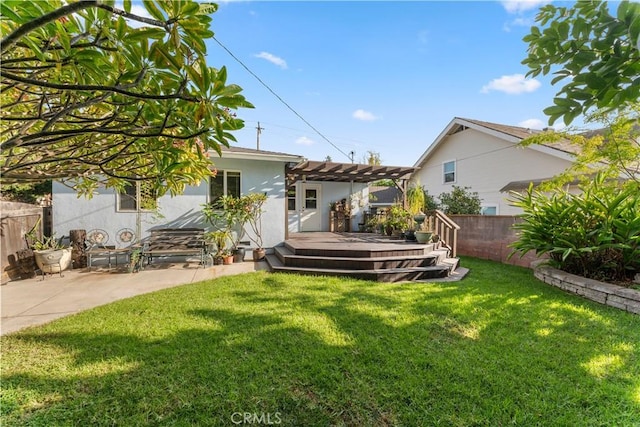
(449, 171)
(225, 183)
(137, 193)
(291, 198)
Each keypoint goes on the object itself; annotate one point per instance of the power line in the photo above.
(279, 98)
(354, 142)
(430, 167)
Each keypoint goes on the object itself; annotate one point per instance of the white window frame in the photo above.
(294, 198)
(225, 182)
(138, 199)
(490, 205)
(455, 171)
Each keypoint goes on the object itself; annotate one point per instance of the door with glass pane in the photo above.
(311, 218)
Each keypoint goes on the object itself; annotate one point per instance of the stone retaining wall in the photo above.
(604, 293)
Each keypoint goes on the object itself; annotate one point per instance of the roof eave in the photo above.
(285, 158)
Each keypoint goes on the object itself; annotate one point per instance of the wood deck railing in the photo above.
(447, 229)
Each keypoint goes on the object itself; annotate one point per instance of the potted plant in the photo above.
(230, 213)
(227, 257)
(397, 220)
(51, 256)
(371, 225)
(415, 201)
(424, 233)
(219, 238)
(254, 209)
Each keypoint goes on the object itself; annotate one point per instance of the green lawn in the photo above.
(498, 348)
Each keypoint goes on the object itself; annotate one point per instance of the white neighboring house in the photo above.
(298, 196)
(487, 158)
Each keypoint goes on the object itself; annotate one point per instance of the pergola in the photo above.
(345, 172)
(348, 172)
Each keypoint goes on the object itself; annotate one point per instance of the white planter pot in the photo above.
(53, 260)
(423, 236)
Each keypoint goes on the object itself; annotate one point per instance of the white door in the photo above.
(311, 214)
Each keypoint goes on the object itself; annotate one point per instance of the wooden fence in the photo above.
(15, 221)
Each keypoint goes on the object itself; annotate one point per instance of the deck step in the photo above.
(289, 259)
(341, 249)
(380, 275)
(365, 256)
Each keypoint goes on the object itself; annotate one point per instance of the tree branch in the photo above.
(9, 41)
(156, 23)
(116, 89)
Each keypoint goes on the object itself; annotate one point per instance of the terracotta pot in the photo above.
(227, 260)
(258, 254)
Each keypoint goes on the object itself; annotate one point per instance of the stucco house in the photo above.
(299, 193)
(487, 158)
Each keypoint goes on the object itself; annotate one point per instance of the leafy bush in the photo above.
(594, 234)
(397, 218)
(461, 200)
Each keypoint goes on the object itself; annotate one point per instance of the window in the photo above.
(291, 198)
(137, 193)
(225, 183)
(449, 171)
(311, 198)
(489, 210)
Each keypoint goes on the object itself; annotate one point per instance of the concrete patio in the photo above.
(36, 301)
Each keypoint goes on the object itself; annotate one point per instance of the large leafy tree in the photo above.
(93, 93)
(594, 53)
(613, 150)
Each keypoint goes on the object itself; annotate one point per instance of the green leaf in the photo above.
(190, 9)
(195, 41)
(207, 8)
(6, 12)
(147, 33)
(196, 78)
(160, 50)
(153, 10)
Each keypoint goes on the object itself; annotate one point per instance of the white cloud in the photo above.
(518, 22)
(276, 60)
(513, 85)
(365, 116)
(520, 6)
(532, 124)
(303, 140)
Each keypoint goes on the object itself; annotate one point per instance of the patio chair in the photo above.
(97, 246)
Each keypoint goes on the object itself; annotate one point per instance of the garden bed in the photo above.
(605, 293)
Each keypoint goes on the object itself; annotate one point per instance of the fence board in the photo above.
(15, 221)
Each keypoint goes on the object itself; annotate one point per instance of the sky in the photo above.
(385, 77)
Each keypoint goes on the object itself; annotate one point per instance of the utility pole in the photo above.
(352, 155)
(259, 131)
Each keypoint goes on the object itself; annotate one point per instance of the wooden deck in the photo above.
(361, 255)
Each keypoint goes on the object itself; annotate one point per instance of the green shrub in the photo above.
(594, 234)
(461, 200)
